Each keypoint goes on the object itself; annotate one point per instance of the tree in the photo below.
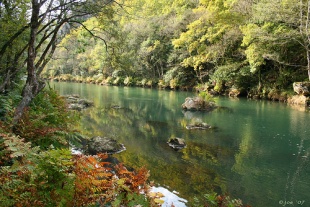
(45, 27)
(14, 34)
(213, 39)
(279, 34)
(304, 11)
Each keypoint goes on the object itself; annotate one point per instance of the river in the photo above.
(257, 151)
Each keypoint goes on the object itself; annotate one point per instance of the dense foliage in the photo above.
(255, 47)
(240, 44)
(37, 167)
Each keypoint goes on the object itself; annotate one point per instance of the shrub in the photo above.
(118, 81)
(109, 80)
(206, 96)
(162, 84)
(47, 121)
(65, 77)
(35, 178)
(128, 81)
(144, 82)
(57, 178)
(98, 78)
(90, 80)
(150, 83)
(218, 87)
(174, 83)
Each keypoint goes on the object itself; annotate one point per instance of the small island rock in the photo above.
(198, 104)
(103, 145)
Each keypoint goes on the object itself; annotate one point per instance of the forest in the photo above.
(255, 48)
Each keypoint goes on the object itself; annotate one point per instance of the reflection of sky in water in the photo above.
(170, 198)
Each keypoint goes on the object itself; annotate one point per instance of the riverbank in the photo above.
(298, 95)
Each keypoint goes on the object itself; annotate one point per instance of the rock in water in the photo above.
(198, 104)
(176, 143)
(76, 103)
(201, 126)
(104, 145)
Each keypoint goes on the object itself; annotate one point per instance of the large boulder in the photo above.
(302, 88)
(198, 104)
(103, 145)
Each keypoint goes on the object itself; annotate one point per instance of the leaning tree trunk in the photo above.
(33, 86)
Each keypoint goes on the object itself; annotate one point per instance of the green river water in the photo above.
(258, 151)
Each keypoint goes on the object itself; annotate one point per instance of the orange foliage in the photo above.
(133, 180)
(97, 182)
(93, 179)
(33, 130)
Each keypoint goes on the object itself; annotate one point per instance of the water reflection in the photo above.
(259, 151)
(170, 198)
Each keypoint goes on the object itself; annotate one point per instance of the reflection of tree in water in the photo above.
(107, 121)
(190, 171)
(293, 186)
(272, 167)
(298, 170)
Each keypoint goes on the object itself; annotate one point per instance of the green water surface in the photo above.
(258, 151)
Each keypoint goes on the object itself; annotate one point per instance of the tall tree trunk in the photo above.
(308, 60)
(304, 30)
(6, 82)
(33, 86)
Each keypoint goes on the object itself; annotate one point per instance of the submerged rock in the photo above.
(77, 103)
(176, 143)
(198, 104)
(116, 107)
(201, 126)
(103, 145)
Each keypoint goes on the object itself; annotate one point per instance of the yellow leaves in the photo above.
(216, 33)
(193, 46)
(178, 42)
(255, 57)
(208, 37)
(156, 196)
(249, 32)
